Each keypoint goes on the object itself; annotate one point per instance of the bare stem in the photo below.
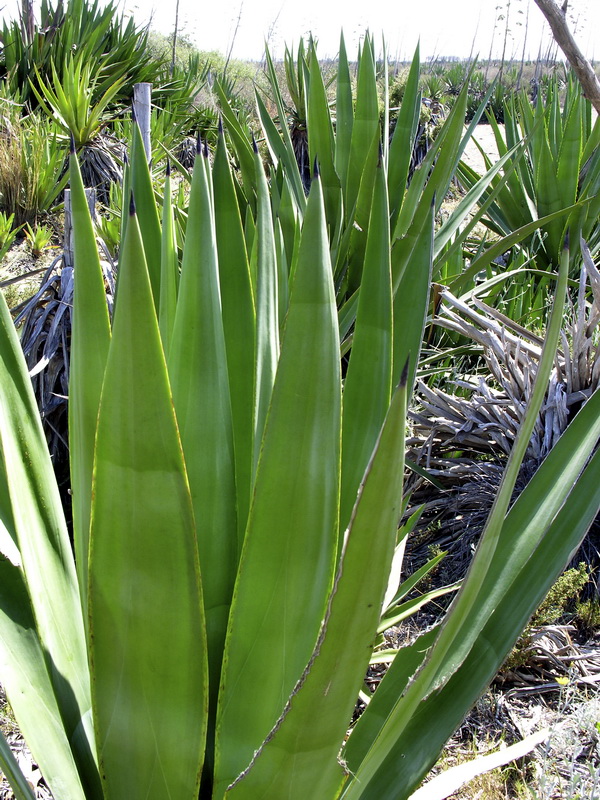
(557, 19)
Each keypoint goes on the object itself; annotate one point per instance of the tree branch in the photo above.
(557, 19)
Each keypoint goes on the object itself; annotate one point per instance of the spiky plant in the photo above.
(111, 46)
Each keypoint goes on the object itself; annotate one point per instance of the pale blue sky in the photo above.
(445, 27)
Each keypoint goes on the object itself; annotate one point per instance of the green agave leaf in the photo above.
(430, 181)
(286, 212)
(267, 305)
(147, 630)
(42, 540)
(549, 197)
(344, 112)
(568, 161)
(368, 382)
(408, 585)
(169, 269)
(411, 296)
(410, 607)
(9, 546)
(26, 681)
(321, 143)
(472, 196)
(149, 221)
(365, 125)
(280, 144)
(291, 539)
(239, 326)
(371, 721)
(198, 371)
(281, 151)
(240, 141)
(403, 139)
(298, 758)
(353, 247)
(547, 535)
(90, 340)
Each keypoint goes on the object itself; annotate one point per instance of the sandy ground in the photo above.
(485, 137)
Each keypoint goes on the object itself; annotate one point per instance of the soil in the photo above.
(484, 136)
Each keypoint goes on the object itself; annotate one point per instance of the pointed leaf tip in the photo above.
(71, 143)
(131, 205)
(316, 170)
(220, 125)
(567, 242)
(205, 149)
(168, 169)
(254, 145)
(198, 143)
(404, 375)
(133, 116)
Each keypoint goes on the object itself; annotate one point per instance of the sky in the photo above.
(443, 27)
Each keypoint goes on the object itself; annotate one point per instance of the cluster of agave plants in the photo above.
(237, 433)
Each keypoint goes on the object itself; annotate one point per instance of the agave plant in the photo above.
(560, 170)
(236, 508)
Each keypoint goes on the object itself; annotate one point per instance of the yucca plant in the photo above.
(8, 232)
(111, 46)
(32, 162)
(236, 508)
(39, 238)
(70, 99)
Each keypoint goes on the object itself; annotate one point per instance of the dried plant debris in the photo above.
(462, 438)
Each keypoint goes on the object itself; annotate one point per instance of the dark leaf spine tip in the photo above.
(404, 375)
(220, 125)
(71, 143)
(131, 204)
(567, 241)
(125, 159)
(205, 149)
(133, 116)
(316, 170)
(168, 169)
(254, 145)
(198, 144)
(433, 201)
